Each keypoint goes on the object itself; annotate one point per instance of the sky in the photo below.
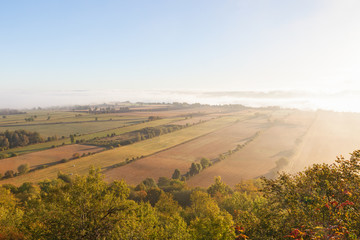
(182, 45)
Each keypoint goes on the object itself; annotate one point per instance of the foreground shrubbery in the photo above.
(319, 203)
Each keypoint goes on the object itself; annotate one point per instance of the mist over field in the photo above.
(342, 101)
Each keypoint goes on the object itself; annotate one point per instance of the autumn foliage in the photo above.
(321, 202)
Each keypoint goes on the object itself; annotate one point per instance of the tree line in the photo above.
(18, 138)
(320, 202)
(134, 136)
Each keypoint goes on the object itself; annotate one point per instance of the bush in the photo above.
(64, 160)
(23, 168)
(9, 174)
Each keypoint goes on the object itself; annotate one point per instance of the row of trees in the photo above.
(321, 202)
(10, 112)
(197, 167)
(132, 137)
(18, 138)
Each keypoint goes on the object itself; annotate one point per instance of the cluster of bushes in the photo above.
(321, 202)
(53, 138)
(31, 118)
(151, 132)
(22, 169)
(6, 155)
(74, 156)
(127, 161)
(18, 138)
(194, 169)
(153, 118)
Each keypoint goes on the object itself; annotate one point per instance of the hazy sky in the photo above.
(186, 44)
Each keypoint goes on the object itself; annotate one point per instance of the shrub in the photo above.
(9, 174)
(23, 168)
(64, 160)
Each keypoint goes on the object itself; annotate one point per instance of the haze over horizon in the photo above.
(118, 51)
(341, 101)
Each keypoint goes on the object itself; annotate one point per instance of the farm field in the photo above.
(210, 146)
(65, 118)
(144, 148)
(301, 137)
(47, 157)
(207, 116)
(260, 156)
(191, 111)
(117, 131)
(65, 129)
(331, 135)
(42, 116)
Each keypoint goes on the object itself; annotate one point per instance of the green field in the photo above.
(117, 155)
(117, 131)
(42, 116)
(60, 117)
(65, 129)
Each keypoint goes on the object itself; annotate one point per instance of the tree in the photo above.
(10, 216)
(23, 168)
(163, 182)
(176, 174)
(170, 219)
(153, 195)
(205, 162)
(94, 207)
(219, 188)
(320, 202)
(207, 221)
(72, 138)
(195, 169)
(150, 183)
(9, 174)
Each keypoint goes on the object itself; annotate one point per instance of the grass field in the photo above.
(42, 116)
(177, 112)
(117, 131)
(181, 156)
(64, 117)
(108, 158)
(65, 129)
(47, 157)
